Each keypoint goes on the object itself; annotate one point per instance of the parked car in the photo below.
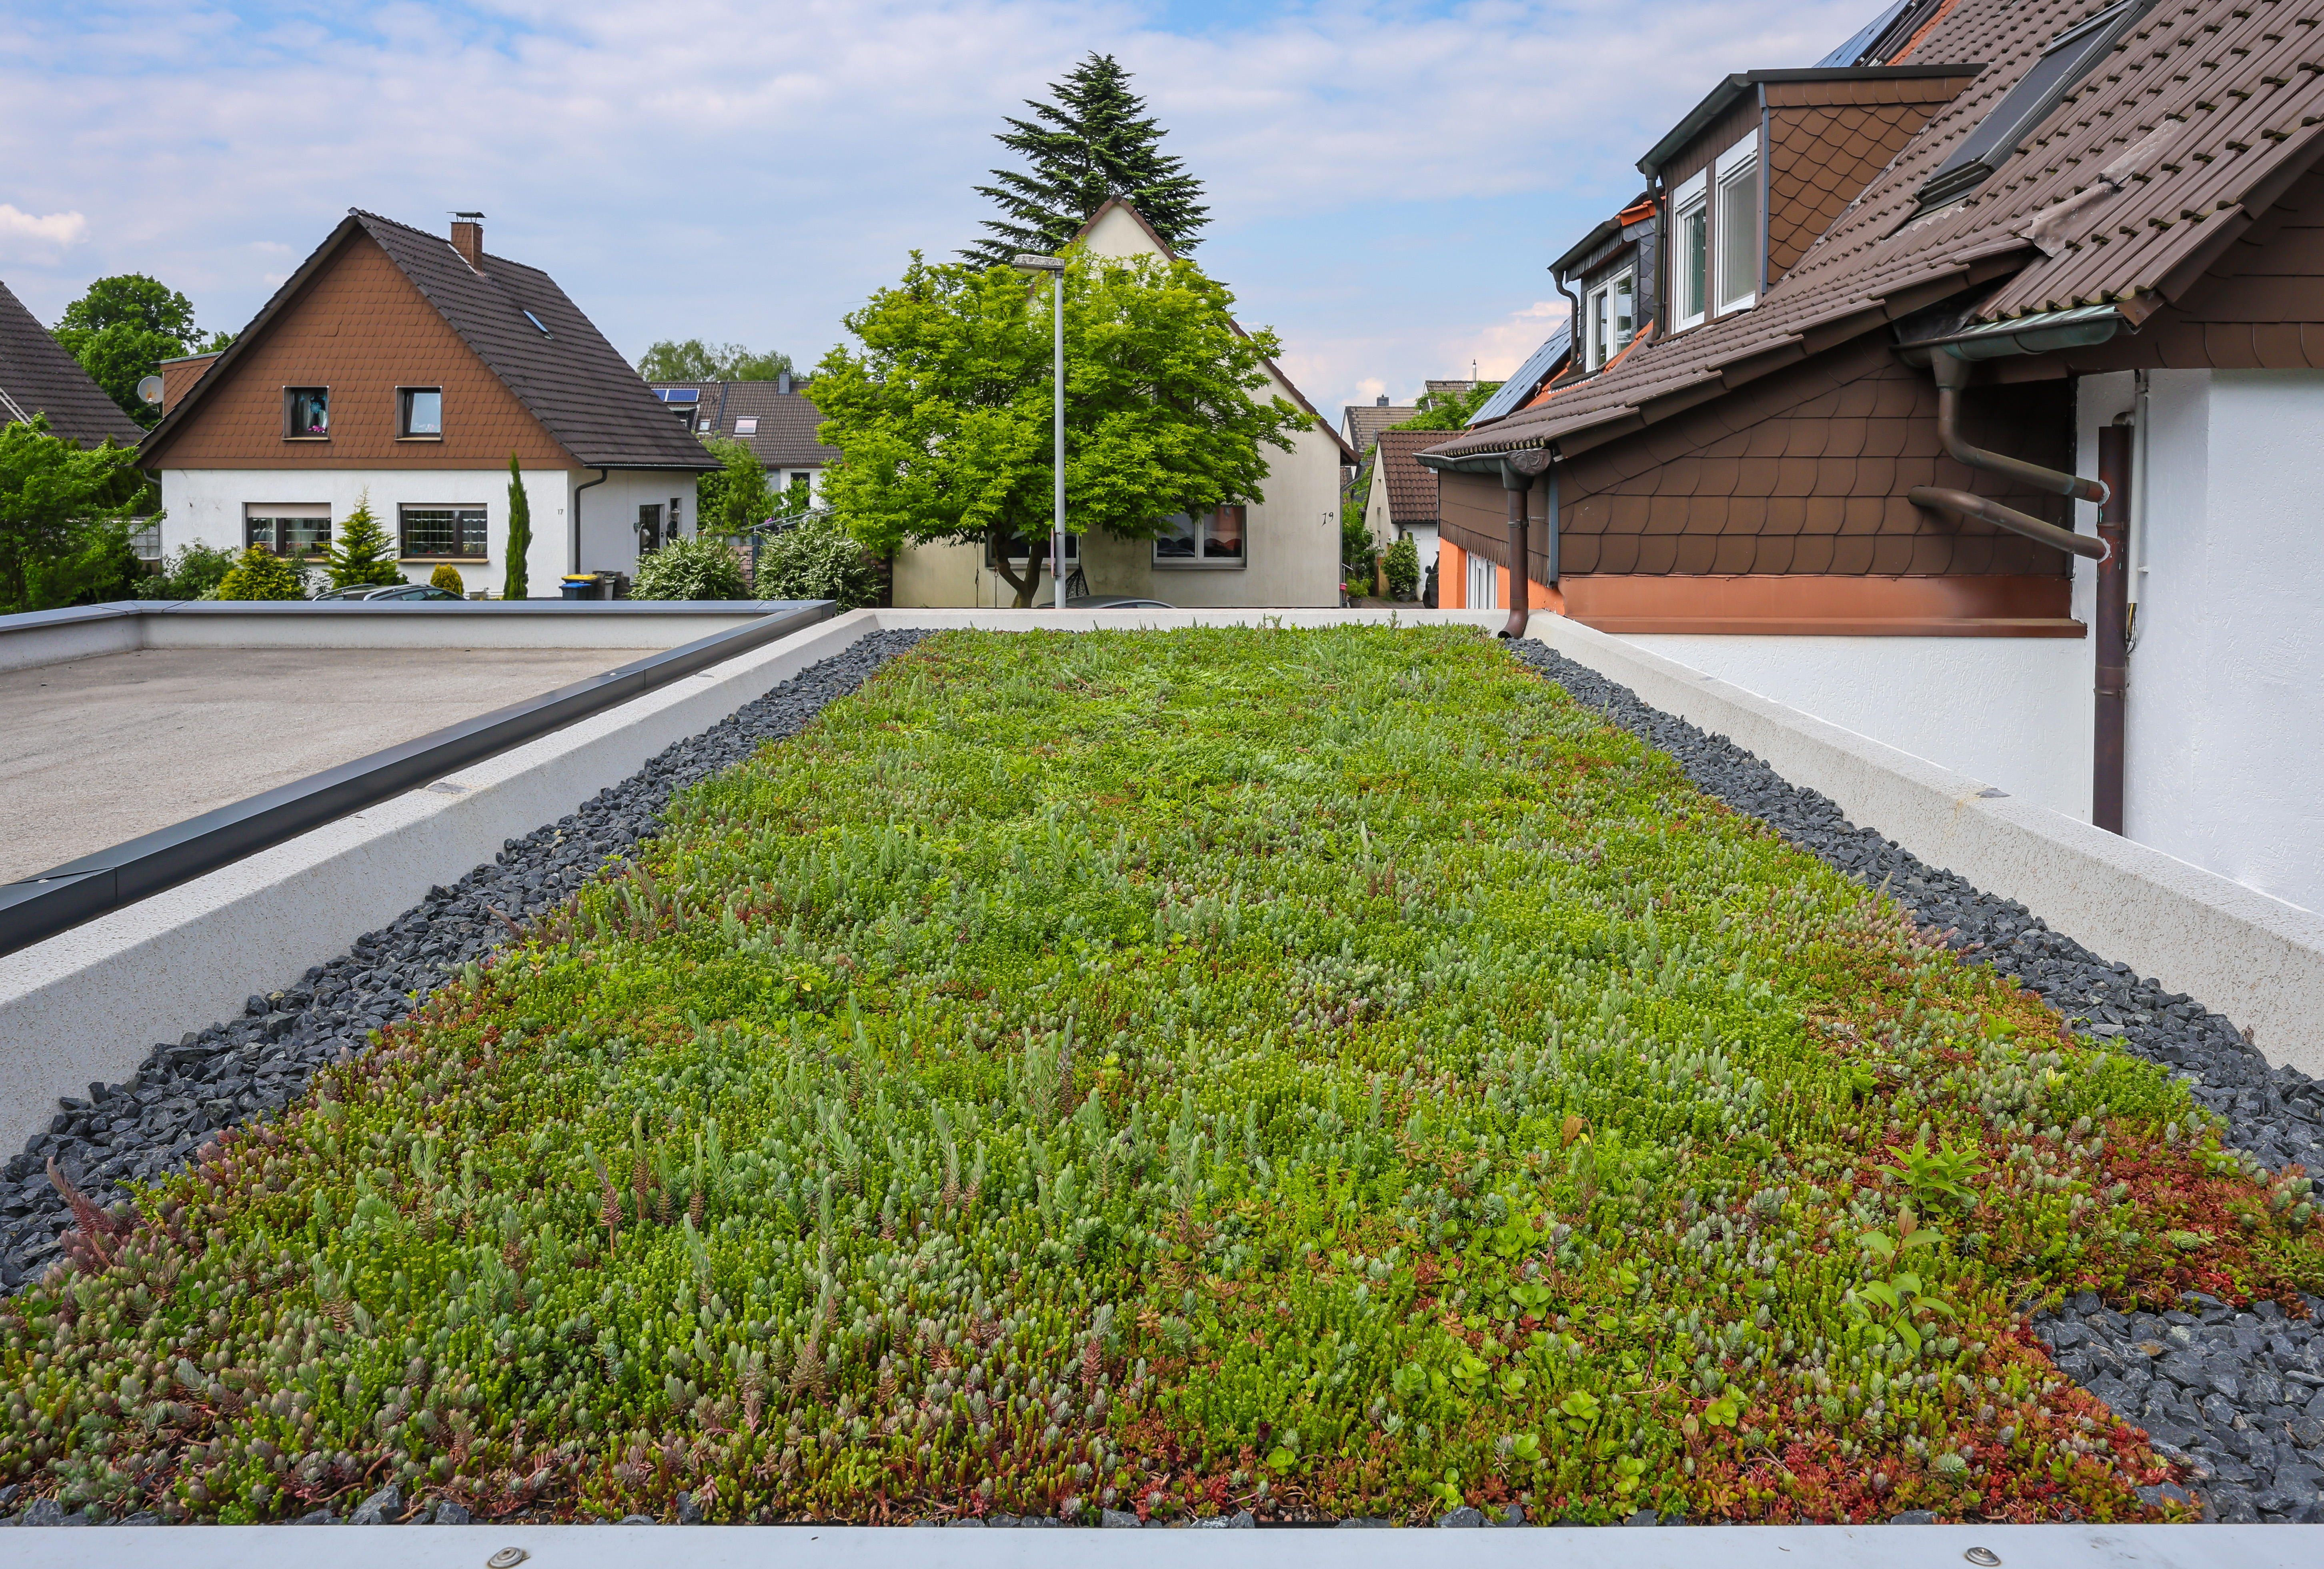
(1114, 602)
(375, 592)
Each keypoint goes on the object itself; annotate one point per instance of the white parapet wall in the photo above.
(90, 1003)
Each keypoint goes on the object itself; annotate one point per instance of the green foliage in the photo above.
(1096, 141)
(694, 360)
(1322, 1072)
(815, 559)
(360, 553)
(448, 577)
(103, 567)
(1402, 564)
(1358, 550)
(1449, 411)
(515, 584)
(61, 505)
(737, 498)
(697, 567)
(192, 573)
(943, 419)
(259, 573)
(121, 331)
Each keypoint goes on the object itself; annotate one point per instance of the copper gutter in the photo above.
(2113, 619)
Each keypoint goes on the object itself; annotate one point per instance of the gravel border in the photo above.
(156, 1121)
(2234, 1399)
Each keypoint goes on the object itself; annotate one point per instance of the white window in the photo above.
(1484, 585)
(1735, 238)
(747, 426)
(1212, 539)
(1691, 251)
(1611, 312)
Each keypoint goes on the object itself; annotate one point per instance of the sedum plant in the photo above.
(1327, 1073)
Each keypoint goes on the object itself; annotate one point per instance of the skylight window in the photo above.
(747, 426)
(2069, 58)
(536, 323)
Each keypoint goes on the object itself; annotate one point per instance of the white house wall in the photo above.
(609, 515)
(2224, 733)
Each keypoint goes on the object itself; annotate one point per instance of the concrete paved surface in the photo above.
(100, 751)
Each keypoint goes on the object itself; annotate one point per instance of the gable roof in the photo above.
(1122, 205)
(587, 397)
(2182, 135)
(1411, 489)
(1364, 421)
(785, 436)
(38, 377)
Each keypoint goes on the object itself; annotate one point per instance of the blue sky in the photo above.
(1387, 180)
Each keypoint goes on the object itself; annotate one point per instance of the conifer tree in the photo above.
(1096, 141)
(520, 538)
(362, 553)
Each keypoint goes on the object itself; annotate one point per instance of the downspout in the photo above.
(576, 567)
(1518, 472)
(2113, 683)
(1952, 374)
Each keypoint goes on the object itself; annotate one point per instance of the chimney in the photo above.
(1380, 401)
(783, 382)
(468, 238)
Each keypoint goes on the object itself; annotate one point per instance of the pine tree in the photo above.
(519, 539)
(362, 553)
(1096, 141)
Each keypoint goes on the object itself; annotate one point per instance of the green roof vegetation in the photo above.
(1328, 1073)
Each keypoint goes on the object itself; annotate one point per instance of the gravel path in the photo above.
(2235, 1398)
(252, 1066)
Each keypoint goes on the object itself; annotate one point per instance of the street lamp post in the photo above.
(1056, 267)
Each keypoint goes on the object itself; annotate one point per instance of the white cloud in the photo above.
(1500, 349)
(26, 232)
(1386, 179)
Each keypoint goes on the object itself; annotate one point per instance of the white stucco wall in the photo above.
(206, 505)
(2014, 713)
(2224, 745)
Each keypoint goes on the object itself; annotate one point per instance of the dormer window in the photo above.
(1738, 239)
(1691, 251)
(1717, 237)
(2070, 57)
(1610, 314)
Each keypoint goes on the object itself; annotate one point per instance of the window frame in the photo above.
(1073, 553)
(290, 394)
(279, 513)
(1200, 562)
(403, 529)
(403, 431)
(1964, 171)
(746, 425)
(1599, 349)
(1691, 198)
(1739, 164)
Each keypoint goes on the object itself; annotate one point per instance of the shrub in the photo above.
(193, 572)
(362, 553)
(815, 559)
(691, 568)
(448, 577)
(260, 574)
(1403, 565)
(513, 586)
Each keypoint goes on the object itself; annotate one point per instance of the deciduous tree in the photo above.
(694, 360)
(122, 328)
(58, 500)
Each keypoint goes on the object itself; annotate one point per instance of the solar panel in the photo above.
(1528, 379)
(679, 395)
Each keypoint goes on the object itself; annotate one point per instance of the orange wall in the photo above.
(1452, 576)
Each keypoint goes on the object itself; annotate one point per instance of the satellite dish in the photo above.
(149, 388)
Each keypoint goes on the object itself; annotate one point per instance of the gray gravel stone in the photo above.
(1463, 1518)
(384, 1507)
(1119, 1520)
(249, 1067)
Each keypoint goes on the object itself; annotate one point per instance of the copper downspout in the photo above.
(2113, 685)
(1952, 375)
(2009, 518)
(1518, 472)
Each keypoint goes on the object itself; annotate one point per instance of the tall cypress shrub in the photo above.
(520, 538)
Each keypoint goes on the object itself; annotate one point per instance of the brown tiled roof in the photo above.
(38, 377)
(1364, 421)
(568, 378)
(1411, 489)
(2204, 114)
(785, 437)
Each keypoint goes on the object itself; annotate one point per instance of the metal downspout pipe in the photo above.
(576, 551)
(2112, 686)
(1952, 374)
(1518, 472)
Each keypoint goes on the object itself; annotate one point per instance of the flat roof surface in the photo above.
(100, 751)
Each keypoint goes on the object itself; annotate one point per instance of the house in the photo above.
(1926, 305)
(1361, 423)
(1401, 500)
(1281, 549)
(38, 377)
(407, 367)
(773, 418)
(1541, 367)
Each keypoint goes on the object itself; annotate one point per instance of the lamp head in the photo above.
(1039, 263)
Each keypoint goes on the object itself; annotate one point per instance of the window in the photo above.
(1212, 539)
(1737, 240)
(649, 535)
(456, 533)
(1017, 547)
(677, 516)
(1484, 585)
(291, 530)
(2069, 59)
(747, 426)
(420, 413)
(1611, 313)
(802, 484)
(1690, 253)
(306, 413)
(536, 323)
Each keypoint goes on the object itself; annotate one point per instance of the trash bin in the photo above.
(583, 587)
